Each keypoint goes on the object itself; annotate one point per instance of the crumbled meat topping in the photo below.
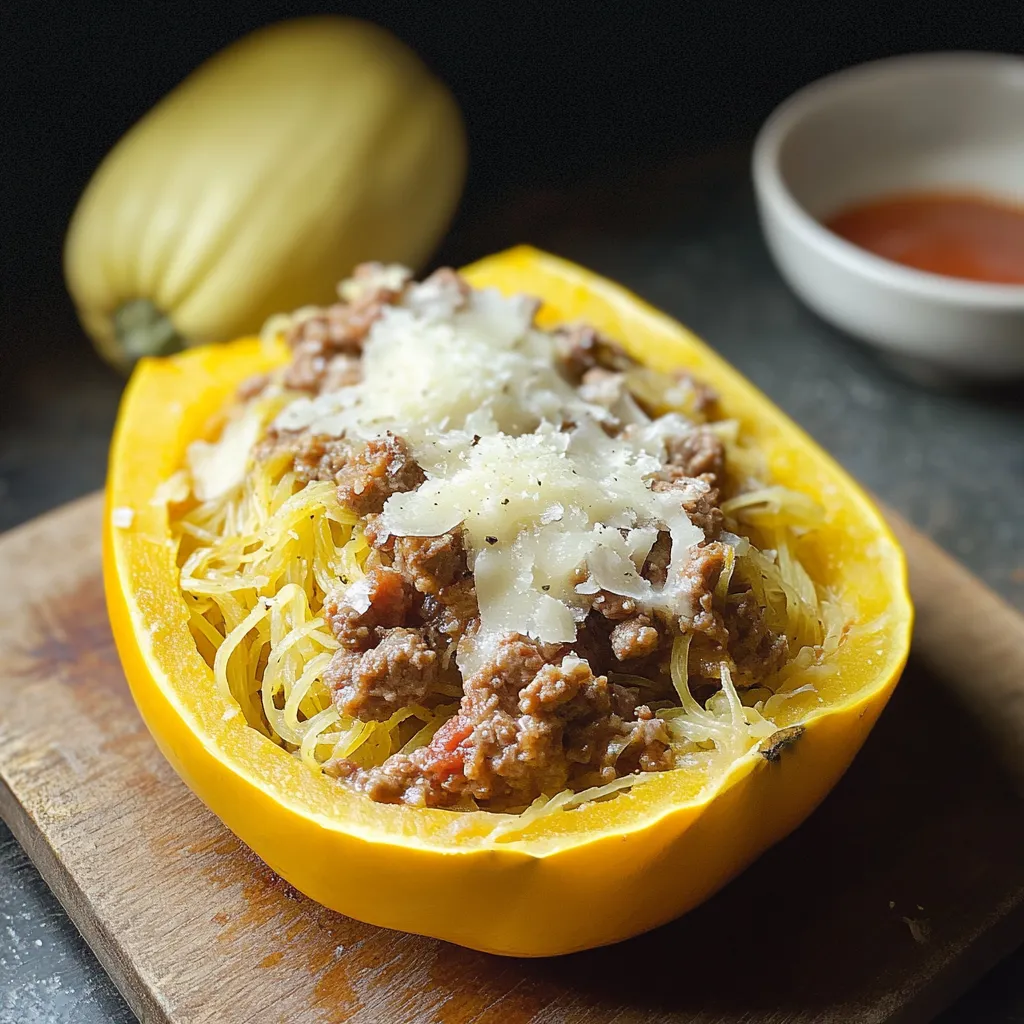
(375, 683)
(452, 613)
(525, 727)
(375, 470)
(698, 453)
(317, 457)
(366, 473)
(614, 606)
(756, 650)
(357, 613)
(700, 501)
(326, 345)
(533, 718)
(431, 563)
(634, 638)
(580, 349)
(341, 371)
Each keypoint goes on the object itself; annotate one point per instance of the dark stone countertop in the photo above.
(686, 238)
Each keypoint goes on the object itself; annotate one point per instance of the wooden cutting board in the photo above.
(903, 888)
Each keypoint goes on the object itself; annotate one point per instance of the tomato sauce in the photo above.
(963, 236)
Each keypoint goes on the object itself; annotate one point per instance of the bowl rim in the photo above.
(774, 192)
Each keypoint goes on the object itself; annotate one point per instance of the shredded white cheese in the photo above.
(537, 507)
(554, 509)
(175, 488)
(216, 468)
(122, 517)
(431, 367)
(390, 276)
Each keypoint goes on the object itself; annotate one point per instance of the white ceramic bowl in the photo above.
(932, 122)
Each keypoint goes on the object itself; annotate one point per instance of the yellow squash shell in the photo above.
(259, 182)
(568, 881)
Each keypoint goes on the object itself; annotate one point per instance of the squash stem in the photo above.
(143, 330)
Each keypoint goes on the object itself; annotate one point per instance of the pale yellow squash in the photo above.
(574, 879)
(259, 182)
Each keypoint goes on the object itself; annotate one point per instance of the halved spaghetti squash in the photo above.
(522, 627)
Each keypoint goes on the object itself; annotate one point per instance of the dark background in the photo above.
(552, 92)
(582, 119)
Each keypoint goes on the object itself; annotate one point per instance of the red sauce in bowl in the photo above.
(963, 236)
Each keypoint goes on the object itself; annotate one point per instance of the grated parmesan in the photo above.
(514, 454)
(218, 467)
(432, 370)
(537, 507)
(122, 517)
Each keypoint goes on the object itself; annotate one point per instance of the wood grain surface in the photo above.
(970, 638)
(901, 889)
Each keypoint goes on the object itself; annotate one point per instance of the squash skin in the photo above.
(259, 182)
(602, 873)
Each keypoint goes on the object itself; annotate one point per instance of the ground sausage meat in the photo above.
(634, 638)
(452, 613)
(699, 452)
(357, 613)
(613, 606)
(317, 457)
(701, 575)
(532, 718)
(342, 371)
(756, 650)
(436, 570)
(702, 508)
(697, 496)
(366, 473)
(430, 563)
(375, 683)
(400, 779)
(526, 725)
(326, 345)
(580, 349)
(732, 628)
(374, 471)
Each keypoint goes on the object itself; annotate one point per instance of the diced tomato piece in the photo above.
(452, 733)
(446, 757)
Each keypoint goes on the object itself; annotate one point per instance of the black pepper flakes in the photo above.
(491, 540)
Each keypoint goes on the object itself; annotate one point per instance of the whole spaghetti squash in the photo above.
(265, 176)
